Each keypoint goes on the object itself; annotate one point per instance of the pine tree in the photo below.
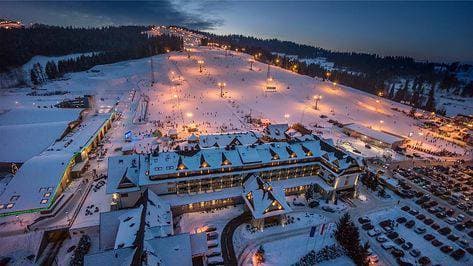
(34, 77)
(391, 92)
(430, 104)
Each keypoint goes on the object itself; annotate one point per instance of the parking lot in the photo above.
(412, 236)
(451, 184)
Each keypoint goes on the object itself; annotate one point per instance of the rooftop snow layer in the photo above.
(374, 134)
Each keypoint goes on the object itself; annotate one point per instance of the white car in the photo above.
(374, 232)
(387, 246)
(451, 220)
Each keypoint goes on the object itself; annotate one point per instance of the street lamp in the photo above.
(317, 98)
(221, 85)
(200, 62)
(251, 60)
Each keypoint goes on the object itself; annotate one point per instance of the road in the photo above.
(228, 251)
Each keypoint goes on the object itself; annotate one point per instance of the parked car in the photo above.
(445, 231)
(429, 237)
(420, 230)
(414, 253)
(453, 237)
(401, 220)
(374, 232)
(399, 241)
(387, 246)
(441, 215)
(381, 239)
(424, 261)
(464, 243)
(392, 235)
(460, 227)
(457, 254)
(435, 226)
(397, 252)
(451, 220)
(436, 243)
(327, 208)
(420, 216)
(407, 246)
(405, 208)
(363, 220)
(428, 221)
(414, 212)
(367, 226)
(410, 224)
(446, 249)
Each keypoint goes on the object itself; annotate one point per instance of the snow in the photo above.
(35, 184)
(26, 132)
(44, 59)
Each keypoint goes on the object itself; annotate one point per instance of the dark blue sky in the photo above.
(436, 31)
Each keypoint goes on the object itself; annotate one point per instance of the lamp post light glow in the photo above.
(200, 62)
(221, 85)
(317, 98)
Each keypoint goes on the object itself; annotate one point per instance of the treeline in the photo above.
(18, 46)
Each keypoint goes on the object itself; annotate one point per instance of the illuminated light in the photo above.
(175, 96)
(287, 116)
(189, 114)
(381, 121)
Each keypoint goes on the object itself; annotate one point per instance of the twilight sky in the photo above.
(435, 31)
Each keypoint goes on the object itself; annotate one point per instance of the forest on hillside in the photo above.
(368, 72)
(18, 46)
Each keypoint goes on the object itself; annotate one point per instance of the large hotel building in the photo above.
(202, 178)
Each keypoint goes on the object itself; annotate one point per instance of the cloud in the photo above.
(92, 13)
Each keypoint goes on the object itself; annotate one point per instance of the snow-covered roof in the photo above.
(18, 143)
(129, 226)
(123, 256)
(82, 135)
(374, 134)
(171, 250)
(155, 168)
(126, 168)
(199, 243)
(27, 132)
(264, 199)
(223, 140)
(157, 223)
(35, 183)
(276, 131)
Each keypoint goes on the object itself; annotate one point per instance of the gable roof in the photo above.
(263, 199)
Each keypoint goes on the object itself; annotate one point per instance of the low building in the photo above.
(377, 138)
(40, 181)
(144, 235)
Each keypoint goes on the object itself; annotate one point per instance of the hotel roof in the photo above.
(142, 170)
(374, 134)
